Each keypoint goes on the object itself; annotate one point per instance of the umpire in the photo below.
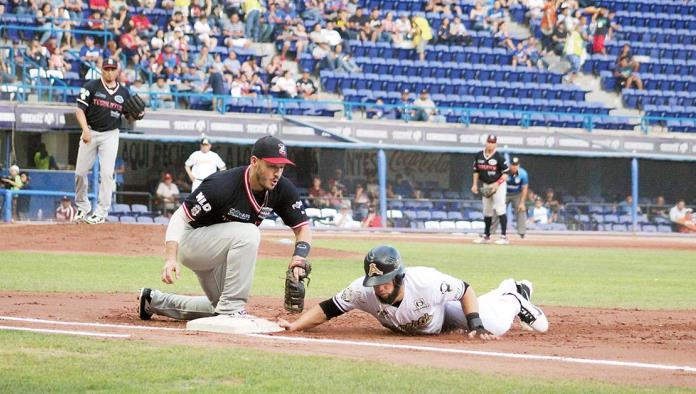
(517, 185)
(99, 108)
(490, 168)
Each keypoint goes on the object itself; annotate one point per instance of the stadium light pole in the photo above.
(634, 193)
(382, 174)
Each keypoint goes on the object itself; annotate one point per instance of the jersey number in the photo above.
(200, 198)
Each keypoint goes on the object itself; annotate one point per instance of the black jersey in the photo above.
(226, 196)
(103, 107)
(490, 168)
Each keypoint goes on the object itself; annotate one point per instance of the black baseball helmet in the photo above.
(382, 265)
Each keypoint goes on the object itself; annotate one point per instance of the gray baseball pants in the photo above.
(521, 217)
(105, 145)
(223, 257)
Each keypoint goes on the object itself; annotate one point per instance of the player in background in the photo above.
(517, 187)
(202, 163)
(99, 109)
(422, 300)
(491, 170)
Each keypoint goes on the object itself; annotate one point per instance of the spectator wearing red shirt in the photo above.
(317, 195)
(372, 219)
(129, 42)
(65, 212)
(99, 5)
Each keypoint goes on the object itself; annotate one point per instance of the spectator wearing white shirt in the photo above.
(540, 214)
(168, 194)
(204, 31)
(202, 163)
(682, 218)
(536, 9)
(344, 218)
(286, 86)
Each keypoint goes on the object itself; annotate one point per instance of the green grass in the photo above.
(40, 363)
(648, 279)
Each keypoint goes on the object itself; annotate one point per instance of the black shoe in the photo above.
(522, 236)
(144, 305)
(524, 288)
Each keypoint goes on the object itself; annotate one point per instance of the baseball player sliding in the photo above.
(215, 234)
(422, 300)
(99, 108)
(490, 168)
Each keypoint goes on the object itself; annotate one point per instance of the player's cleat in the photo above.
(521, 236)
(95, 219)
(532, 318)
(525, 288)
(502, 241)
(486, 239)
(79, 216)
(145, 298)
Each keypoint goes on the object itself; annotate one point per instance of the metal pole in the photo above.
(7, 217)
(634, 193)
(95, 184)
(8, 149)
(382, 173)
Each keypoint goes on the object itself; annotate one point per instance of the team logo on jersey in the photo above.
(195, 210)
(347, 295)
(265, 212)
(374, 270)
(200, 198)
(415, 325)
(445, 287)
(492, 162)
(297, 205)
(118, 99)
(420, 304)
(236, 213)
(281, 150)
(84, 93)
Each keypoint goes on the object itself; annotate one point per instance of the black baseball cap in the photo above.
(205, 141)
(65, 198)
(515, 161)
(271, 150)
(492, 138)
(110, 63)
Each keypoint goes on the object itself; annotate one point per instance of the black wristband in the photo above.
(301, 249)
(474, 321)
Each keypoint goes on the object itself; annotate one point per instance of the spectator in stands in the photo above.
(162, 93)
(344, 60)
(129, 42)
(337, 180)
(168, 195)
(540, 214)
(424, 107)
(355, 24)
(306, 88)
(43, 160)
(458, 33)
(405, 109)
(659, 209)
(23, 6)
(274, 68)
(402, 36)
(250, 68)
(65, 212)
(252, 14)
(521, 56)
(325, 57)
(417, 194)
(231, 65)
(477, 17)
(559, 37)
(204, 32)
(13, 181)
(24, 200)
(679, 219)
(119, 172)
(141, 90)
(603, 24)
(372, 219)
(317, 195)
(39, 55)
(534, 55)
(375, 29)
(91, 55)
(45, 18)
(443, 33)
(549, 19)
(284, 86)
(216, 82)
(422, 34)
(625, 207)
(344, 217)
(553, 205)
(502, 35)
(535, 9)
(360, 201)
(234, 33)
(626, 70)
(298, 35)
(574, 51)
(495, 17)
(377, 111)
(334, 197)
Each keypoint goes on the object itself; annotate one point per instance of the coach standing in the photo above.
(99, 108)
(491, 170)
(517, 186)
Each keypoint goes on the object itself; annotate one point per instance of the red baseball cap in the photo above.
(271, 150)
(110, 63)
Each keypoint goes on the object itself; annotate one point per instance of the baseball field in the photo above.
(622, 313)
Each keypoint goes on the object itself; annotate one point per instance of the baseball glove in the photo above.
(134, 107)
(489, 190)
(295, 288)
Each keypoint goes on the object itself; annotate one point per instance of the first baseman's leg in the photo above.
(224, 257)
(180, 307)
(108, 149)
(499, 208)
(86, 155)
(487, 215)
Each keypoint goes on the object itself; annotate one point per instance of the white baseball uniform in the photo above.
(431, 304)
(202, 165)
